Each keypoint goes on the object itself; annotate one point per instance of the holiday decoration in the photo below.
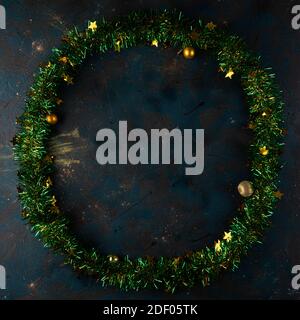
(245, 189)
(52, 118)
(36, 165)
(189, 52)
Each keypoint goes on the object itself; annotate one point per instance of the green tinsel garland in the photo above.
(36, 165)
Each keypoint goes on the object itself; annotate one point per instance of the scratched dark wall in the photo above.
(148, 210)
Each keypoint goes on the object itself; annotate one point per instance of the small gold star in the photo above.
(211, 26)
(49, 65)
(68, 79)
(154, 43)
(264, 114)
(63, 59)
(93, 26)
(227, 236)
(218, 247)
(264, 151)
(278, 194)
(229, 74)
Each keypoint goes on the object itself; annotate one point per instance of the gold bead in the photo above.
(189, 52)
(52, 118)
(245, 189)
(113, 258)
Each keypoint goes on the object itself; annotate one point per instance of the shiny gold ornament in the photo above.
(113, 258)
(189, 52)
(52, 118)
(264, 151)
(245, 189)
(229, 74)
(93, 26)
(227, 236)
(264, 114)
(63, 60)
(154, 43)
(218, 247)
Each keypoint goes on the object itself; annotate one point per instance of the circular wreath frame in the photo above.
(36, 165)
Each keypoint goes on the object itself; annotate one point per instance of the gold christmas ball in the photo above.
(113, 258)
(52, 118)
(245, 189)
(189, 52)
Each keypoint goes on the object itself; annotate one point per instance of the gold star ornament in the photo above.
(227, 236)
(92, 26)
(264, 151)
(154, 43)
(229, 74)
(63, 59)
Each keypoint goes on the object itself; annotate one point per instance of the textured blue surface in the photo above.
(147, 210)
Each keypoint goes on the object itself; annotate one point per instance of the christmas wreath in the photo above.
(36, 165)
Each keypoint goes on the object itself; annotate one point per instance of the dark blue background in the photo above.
(148, 210)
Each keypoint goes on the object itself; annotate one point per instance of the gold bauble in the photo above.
(52, 118)
(189, 52)
(245, 189)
